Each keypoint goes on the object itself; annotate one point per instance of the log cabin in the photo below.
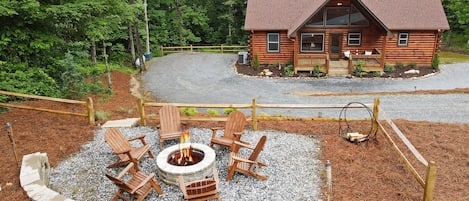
(336, 35)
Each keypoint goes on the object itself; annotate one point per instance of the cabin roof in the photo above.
(290, 15)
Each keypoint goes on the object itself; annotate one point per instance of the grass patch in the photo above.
(452, 57)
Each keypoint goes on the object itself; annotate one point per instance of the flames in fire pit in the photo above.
(185, 156)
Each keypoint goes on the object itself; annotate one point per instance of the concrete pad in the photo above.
(129, 122)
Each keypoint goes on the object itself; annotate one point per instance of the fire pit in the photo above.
(193, 161)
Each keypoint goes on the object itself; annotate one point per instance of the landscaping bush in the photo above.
(255, 63)
(359, 69)
(288, 70)
(189, 111)
(389, 68)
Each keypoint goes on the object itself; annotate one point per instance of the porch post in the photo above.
(383, 53)
(295, 53)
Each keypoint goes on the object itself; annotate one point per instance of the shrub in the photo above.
(376, 73)
(288, 70)
(389, 68)
(359, 69)
(412, 64)
(101, 115)
(229, 110)
(212, 112)
(189, 111)
(317, 70)
(436, 62)
(399, 64)
(255, 63)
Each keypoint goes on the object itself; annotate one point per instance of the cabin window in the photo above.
(354, 39)
(357, 18)
(403, 39)
(273, 42)
(312, 42)
(337, 16)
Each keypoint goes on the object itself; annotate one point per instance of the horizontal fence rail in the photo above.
(429, 183)
(88, 104)
(253, 107)
(191, 48)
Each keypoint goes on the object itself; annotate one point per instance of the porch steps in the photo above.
(338, 72)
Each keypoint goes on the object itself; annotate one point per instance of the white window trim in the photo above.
(359, 39)
(406, 39)
(273, 42)
(323, 38)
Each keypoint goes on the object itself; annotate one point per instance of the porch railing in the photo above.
(307, 62)
(372, 62)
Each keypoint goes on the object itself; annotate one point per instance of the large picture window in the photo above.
(338, 17)
(354, 39)
(273, 42)
(403, 39)
(312, 42)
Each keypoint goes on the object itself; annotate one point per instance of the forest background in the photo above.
(49, 47)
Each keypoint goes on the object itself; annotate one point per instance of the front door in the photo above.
(335, 45)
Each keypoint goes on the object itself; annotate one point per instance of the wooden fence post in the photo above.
(430, 181)
(191, 49)
(221, 47)
(374, 127)
(12, 141)
(90, 107)
(141, 112)
(254, 114)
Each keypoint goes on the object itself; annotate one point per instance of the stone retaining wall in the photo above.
(34, 178)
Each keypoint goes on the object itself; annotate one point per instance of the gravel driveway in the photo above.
(211, 78)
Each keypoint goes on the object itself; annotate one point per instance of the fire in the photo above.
(185, 157)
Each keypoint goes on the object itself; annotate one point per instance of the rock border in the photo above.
(34, 178)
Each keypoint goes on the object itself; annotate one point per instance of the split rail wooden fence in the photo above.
(191, 48)
(88, 104)
(428, 184)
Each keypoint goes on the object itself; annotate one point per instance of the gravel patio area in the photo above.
(293, 168)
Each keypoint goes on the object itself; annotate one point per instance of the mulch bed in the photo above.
(365, 171)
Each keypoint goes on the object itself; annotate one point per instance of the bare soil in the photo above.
(366, 171)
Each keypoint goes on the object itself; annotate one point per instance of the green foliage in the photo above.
(412, 64)
(376, 73)
(255, 63)
(317, 72)
(189, 111)
(399, 65)
(389, 68)
(33, 81)
(288, 70)
(212, 112)
(229, 110)
(359, 69)
(101, 115)
(436, 62)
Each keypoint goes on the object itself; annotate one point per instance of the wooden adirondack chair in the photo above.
(204, 189)
(139, 185)
(170, 124)
(232, 132)
(243, 164)
(122, 147)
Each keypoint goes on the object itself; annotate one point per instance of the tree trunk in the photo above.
(179, 23)
(108, 72)
(139, 46)
(147, 29)
(93, 52)
(131, 42)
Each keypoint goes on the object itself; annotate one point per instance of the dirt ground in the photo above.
(366, 171)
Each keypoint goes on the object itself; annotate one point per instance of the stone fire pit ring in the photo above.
(169, 173)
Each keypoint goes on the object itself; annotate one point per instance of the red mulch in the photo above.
(367, 171)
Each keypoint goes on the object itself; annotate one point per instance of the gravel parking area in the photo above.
(293, 168)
